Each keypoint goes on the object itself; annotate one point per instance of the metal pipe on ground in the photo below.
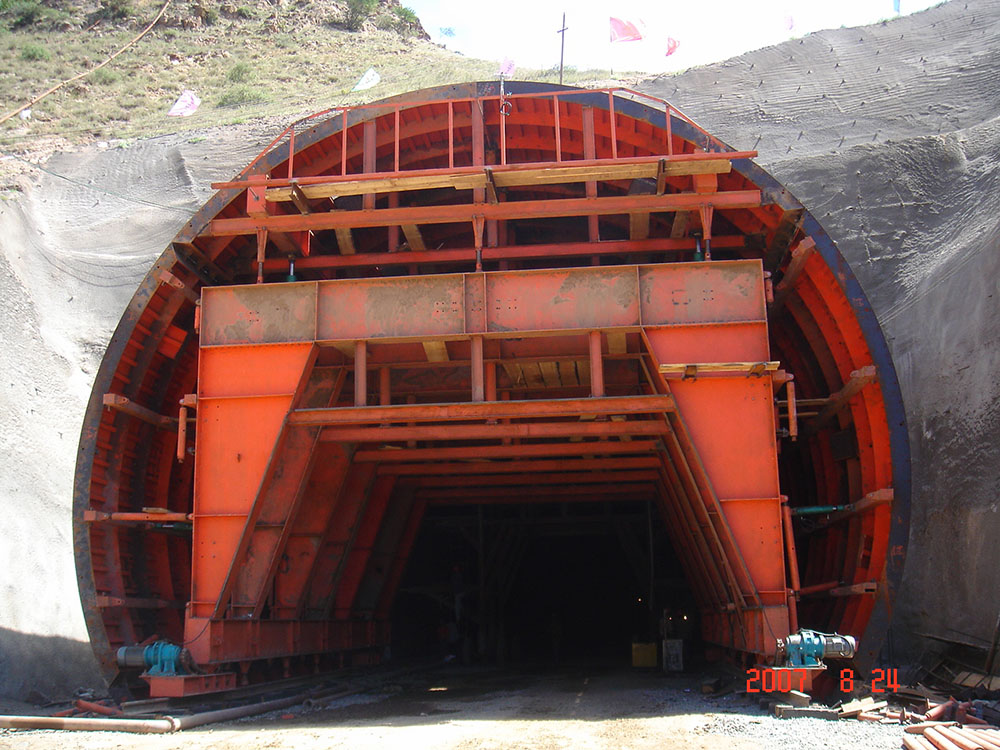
(163, 725)
(916, 742)
(939, 740)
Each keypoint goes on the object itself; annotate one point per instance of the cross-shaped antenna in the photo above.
(562, 47)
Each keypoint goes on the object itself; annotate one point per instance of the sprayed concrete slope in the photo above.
(887, 133)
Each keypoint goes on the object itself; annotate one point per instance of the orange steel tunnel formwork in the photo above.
(469, 296)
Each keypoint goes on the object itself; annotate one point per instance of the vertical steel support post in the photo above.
(360, 373)
(384, 392)
(478, 391)
(793, 567)
(596, 365)
(491, 381)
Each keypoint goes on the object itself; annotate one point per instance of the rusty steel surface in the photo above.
(488, 310)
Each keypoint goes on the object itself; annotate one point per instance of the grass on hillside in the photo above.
(242, 68)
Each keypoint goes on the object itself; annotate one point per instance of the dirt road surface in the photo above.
(461, 709)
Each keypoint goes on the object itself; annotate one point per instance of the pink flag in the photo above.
(506, 68)
(672, 45)
(185, 105)
(624, 31)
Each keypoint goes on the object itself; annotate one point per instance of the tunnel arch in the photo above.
(851, 458)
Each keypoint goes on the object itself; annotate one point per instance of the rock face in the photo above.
(887, 133)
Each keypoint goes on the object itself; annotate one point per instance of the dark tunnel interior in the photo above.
(541, 584)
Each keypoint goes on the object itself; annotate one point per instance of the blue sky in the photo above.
(708, 30)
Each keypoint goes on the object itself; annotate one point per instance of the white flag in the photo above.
(369, 79)
(185, 105)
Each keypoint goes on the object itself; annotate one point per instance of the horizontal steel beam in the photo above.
(493, 432)
(558, 494)
(588, 448)
(518, 466)
(563, 479)
(447, 214)
(505, 252)
(563, 407)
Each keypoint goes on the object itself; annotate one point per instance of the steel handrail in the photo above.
(396, 108)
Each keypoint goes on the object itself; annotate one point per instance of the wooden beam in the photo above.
(505, 176)
(125, 405)
(869, 501)
(695, 369)
(561, 407)
(413, 237)
(616, 342)
(855, 589)
(800, 254)
(591, 207)
(679, 227)
(300, 199)
(837, 401)
(638, 226)
(782, 238)
(436, 351)
(345, 240)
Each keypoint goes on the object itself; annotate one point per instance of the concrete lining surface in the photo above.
(887, 133)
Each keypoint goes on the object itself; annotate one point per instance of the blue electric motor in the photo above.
(807, 648)
(160, 658)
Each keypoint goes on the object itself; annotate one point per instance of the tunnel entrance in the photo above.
(545, 584)
(412, 312)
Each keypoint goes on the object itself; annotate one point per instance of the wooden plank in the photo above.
(436, 351)
(413, 238)
(514, 372)
(380, 185)
(800, 254)
(616, 342)
(837, 401)
(550, 374)
(788, 226)
(638, 226)
(300, 199)
(567, 374)
(679, 227)
(345, 241)
(855, 589)
(694, 369)
(125, 405)
(533, 375)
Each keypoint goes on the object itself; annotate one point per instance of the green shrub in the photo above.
(116, 10)
(357, 12)
(246, 12)
(241, 72)
(104, 77)
(34, 52)
(405, 15)
(240, 95)
(22, 13)
(210, 16)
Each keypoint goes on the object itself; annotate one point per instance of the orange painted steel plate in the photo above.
(496, 303)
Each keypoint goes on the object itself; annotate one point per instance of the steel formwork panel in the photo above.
(496, 304)
(704, 312)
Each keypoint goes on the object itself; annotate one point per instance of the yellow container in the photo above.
(644, 655)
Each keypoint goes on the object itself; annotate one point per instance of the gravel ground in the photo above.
(460, 709)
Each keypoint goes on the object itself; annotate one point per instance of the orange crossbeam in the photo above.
(590, 448)
(447, 214)
(489, 432)
(488, 468)
(563, 407)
